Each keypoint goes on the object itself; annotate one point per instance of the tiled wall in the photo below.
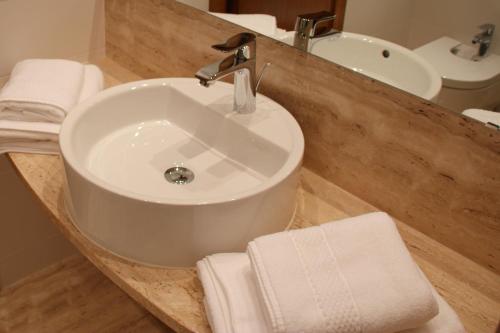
(28, 240)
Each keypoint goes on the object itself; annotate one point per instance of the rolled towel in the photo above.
(260, 23)
(41, 90)
(232, 306)
(29, 137)
(354, 275)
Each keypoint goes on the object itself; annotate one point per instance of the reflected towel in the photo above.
(484, 116)
(260, 23)
(355, 274)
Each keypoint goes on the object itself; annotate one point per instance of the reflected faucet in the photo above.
(242, 64)
(306, 25)
(484, 38)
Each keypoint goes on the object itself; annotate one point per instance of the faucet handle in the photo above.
(236, 42)
(307, 23)
(317, 16)
(487, 29)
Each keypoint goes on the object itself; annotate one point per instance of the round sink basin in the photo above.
(164, 172)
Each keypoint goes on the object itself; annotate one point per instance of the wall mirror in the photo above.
(446, 51)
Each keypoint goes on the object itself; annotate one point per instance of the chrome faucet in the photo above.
(242, 64)
(306, 25)
(484, 38)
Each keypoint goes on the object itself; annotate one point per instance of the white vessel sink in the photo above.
(379, 59)
(118, 145)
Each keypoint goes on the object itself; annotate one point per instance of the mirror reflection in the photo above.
(442, 50)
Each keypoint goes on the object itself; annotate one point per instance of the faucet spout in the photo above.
(220, 69)
(242, 64)
(484, 39)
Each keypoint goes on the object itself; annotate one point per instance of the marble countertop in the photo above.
(175, 295)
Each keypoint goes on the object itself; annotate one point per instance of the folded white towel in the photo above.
(45, 89)
(446, 321)
(93, 82)
(231, 297)
(232, 306)
(260, 23)
(355, 275)
(280, 34)
(29, 137)
(33, 127)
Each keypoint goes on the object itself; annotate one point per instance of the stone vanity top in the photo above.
(175, 295)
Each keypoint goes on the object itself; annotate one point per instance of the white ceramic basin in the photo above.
(117, 146)
(381, 60)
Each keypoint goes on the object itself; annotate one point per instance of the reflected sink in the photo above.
(164, 172)
(379, 59)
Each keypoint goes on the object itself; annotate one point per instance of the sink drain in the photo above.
(179, 175)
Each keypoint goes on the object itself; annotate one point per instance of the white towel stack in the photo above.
(36, 99)
(354, 275)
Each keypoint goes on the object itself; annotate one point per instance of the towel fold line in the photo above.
(31, 123)
(50, 86)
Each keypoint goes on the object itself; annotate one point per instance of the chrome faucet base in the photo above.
(306, 26)
(244, 98)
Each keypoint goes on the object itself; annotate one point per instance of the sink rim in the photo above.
(294, 160)
(435, 79)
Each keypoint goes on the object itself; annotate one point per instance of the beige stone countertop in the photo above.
(175, 295)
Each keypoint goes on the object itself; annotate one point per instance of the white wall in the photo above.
(50, 28)
(412, 23)
(71, 29)
(386, 19)
(457, 19)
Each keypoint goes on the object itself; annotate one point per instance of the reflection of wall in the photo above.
(387, 19)
(412, 23)
(200, 4)
(49, 28)
(455, 18)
